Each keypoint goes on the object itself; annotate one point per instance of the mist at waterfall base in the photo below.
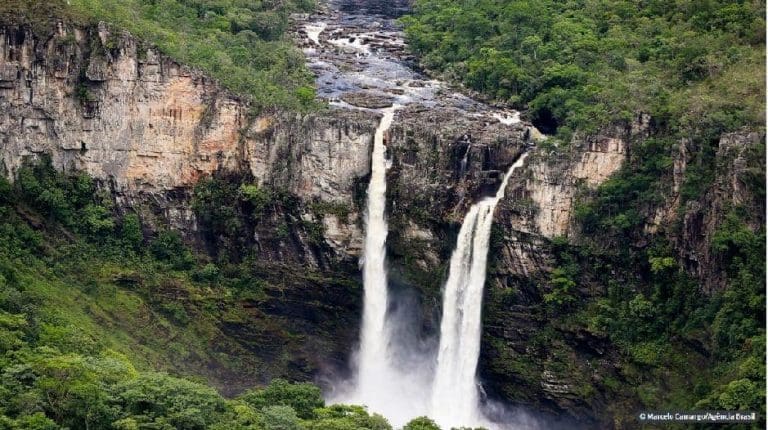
(397, 374)
(413, 356)
(389, 380)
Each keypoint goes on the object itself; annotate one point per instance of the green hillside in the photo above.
(580, 65)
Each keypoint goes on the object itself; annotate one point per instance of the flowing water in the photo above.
(383, 382)
(374, 359)
(380, 384)
(455, 394)
(355, 47)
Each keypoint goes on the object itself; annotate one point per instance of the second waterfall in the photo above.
(455, 399)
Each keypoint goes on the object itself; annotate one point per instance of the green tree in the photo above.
(280, 418)
(130, 231)
(421, 423)
(304, 398)
(169, 247)
(344, 417)
(156, 398)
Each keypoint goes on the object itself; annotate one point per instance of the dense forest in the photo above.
(580, 65)
(107, 320)
(577, 68)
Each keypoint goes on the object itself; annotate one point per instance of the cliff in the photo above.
(149, 129)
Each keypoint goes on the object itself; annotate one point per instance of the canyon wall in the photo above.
(149, 129)
(97, 100)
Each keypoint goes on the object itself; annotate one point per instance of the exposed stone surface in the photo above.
(149, 129)
(368, 100)
(99, 101)
(552, 181)
(732, 188)
(319, 156)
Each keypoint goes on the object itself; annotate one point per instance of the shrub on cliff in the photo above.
(421, 423)
(581, 65)
(242, 44)
(303, 398)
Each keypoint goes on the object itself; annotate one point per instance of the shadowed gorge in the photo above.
(364, 214)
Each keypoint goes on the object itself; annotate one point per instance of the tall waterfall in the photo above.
(383, 384)
(373, 361)
(455, 400)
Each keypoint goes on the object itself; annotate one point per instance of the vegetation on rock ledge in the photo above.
(91, 309)
(244, 45)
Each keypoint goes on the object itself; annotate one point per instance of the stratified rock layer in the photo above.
(149, 128)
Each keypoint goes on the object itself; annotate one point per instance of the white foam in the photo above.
(313, 31)
(508, 118)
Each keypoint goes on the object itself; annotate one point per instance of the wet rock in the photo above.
(368, 100)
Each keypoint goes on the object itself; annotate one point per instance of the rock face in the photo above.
(99, 101)
(553, 183)
(541, 202)
(734, 187)
(315, 157)
(150, 129)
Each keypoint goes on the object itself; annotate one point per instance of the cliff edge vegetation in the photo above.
(243, 45)
(672, 246)
(580, 65)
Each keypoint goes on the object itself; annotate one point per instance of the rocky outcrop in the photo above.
(736, 181)
(554, 177)
(319, 156)
(442, 162)
(99, 101)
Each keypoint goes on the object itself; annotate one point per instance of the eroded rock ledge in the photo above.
(149, 128)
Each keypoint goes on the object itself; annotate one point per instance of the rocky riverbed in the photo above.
(358, 53)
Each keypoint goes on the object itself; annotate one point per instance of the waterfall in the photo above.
(395, 371)
(384, 384)
(465, 160)
(373, 364)
(455, 400)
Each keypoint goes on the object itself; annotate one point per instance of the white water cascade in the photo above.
(382, 384)
(455, 399)
(373, 361)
